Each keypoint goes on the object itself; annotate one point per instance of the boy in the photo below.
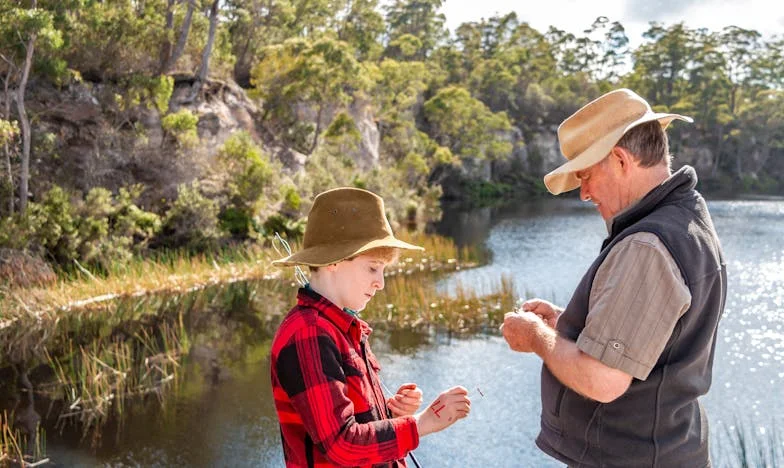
(328, 396)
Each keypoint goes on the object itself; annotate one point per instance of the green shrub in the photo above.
(251, 186)
(286, 227)
(97, 231)
(191, 221)
(182, 126)
(291, 198)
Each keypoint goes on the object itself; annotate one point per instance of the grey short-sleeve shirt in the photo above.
(637, 297)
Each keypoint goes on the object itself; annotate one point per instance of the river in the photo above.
(545, 247)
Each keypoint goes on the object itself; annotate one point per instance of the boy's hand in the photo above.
(445, 410)
(406, 401)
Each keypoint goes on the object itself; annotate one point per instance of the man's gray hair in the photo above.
(648, 143)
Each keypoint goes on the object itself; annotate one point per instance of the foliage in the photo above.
(466, 126)
(98, 230)
(182, 126)
(191, 222)
(251, 180)
(299, 80)
(333, 79)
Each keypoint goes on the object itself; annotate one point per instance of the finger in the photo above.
(533, 305)
(406, 400)
(406, 387)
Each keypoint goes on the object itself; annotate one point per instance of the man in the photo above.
(627, 360)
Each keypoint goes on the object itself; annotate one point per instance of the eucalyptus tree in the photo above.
(23, 32)
(466, 126)
(419, 18)
(171, 53)
(661, 64)
(301, 83)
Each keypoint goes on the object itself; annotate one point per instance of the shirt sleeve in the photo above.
(637, 297)
(310, 372)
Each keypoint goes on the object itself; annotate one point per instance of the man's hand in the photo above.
(548, 311)
(406, 401)
(444, 411)
(520, 330)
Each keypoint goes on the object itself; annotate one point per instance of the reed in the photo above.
(411, 302)
(743, 445)
(95, 381)
(31, 317)
(14, 449)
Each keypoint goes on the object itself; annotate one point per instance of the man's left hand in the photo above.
(519, 330)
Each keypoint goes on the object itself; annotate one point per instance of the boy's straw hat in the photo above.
(343, 223)
(589, 134)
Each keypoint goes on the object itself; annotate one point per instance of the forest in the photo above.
(136, 126)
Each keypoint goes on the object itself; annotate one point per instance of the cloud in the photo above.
(666, 10)
(661, 10)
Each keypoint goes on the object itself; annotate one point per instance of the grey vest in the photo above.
(658, 421)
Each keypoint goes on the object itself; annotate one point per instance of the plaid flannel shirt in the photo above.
(328, 397)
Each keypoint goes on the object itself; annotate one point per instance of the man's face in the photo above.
(358, 280)
(603, 185)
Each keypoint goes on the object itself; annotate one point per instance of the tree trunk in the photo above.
(318, 130)
(181, 40)
(205, 56)
(166, 47)
(25, 121)
(6, 149)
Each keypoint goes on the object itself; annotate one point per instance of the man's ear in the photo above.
(622, 157)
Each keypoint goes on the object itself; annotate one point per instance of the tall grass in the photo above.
(411, 302)
(745, 445)
(14, 449)
(95, 381)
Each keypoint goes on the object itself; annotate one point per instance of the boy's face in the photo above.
(358, 280)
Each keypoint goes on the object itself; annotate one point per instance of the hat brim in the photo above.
(323, 255)
(563, 178)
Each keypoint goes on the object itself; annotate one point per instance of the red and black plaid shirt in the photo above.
(328, 397)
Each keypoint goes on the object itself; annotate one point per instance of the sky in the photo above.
(765, 16)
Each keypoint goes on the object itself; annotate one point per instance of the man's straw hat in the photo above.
(589, 134)
(343, 223)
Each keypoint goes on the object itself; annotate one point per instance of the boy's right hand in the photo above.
(444, 411)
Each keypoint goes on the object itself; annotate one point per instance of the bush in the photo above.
(191, 222)
(182, 126)
(251, 184)
(97, 231)
(286, 227)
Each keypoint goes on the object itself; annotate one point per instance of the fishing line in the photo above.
(299, 275)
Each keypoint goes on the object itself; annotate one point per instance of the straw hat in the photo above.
(589, 134)
(344, 222)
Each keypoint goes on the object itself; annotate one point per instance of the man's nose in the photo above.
(584, 194)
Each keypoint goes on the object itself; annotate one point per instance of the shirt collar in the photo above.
(342, 319)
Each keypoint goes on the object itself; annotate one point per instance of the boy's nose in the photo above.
(379, 282)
